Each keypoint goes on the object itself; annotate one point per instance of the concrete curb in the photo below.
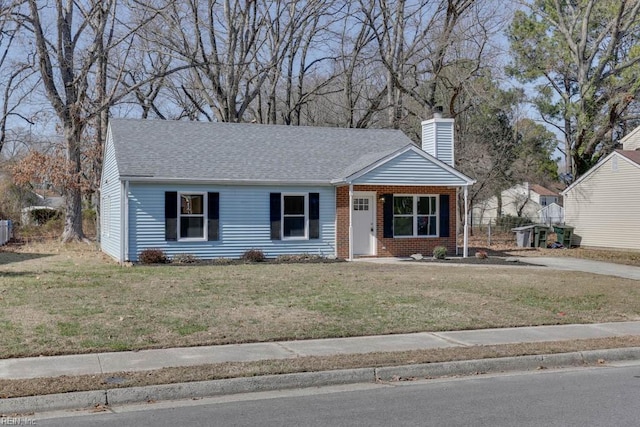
(87, 399)
(239, 385)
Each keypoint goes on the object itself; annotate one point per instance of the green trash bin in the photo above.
(540, 236)
(564, 233)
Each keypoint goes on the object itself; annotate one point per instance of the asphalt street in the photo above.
(601, 396)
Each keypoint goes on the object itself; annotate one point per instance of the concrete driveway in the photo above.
(588, 266)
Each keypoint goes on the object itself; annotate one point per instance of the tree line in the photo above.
(70, 65)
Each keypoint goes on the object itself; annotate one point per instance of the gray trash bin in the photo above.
(523, 236)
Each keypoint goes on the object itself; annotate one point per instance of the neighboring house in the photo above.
(522, 200)
(218, 189)
(552, 214)
(603, 204)
(43, 201)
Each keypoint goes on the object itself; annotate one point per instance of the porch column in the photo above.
(465, 249)
(350, 222)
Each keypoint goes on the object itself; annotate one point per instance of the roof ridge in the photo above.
(279, 125)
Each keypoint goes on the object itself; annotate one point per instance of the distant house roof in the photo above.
(542, 190)
(634, 156)
(179, 150)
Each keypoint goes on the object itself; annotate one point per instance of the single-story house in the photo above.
(522, 200)
(603, 204)
(44, 201)
(218, 189)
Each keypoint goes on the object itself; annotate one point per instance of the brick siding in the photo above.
(399, 247)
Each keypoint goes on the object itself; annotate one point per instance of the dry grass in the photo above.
(69, 299)
(72, 299)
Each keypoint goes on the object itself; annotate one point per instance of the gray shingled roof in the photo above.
(254, 152)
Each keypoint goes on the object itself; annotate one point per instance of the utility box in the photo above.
(564, 233)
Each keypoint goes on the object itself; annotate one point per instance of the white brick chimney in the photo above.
(437, 137)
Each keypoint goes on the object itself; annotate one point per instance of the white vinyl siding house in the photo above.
(522, 200)
(631, 142)
(603, 205)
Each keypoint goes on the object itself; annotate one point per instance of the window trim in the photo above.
(306, 216)
(204, 216)
(415, 216)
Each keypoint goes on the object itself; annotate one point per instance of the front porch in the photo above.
(367, 225)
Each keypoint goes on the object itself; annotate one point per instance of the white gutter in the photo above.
(168, 180)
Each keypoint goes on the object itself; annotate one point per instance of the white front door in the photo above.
(364, 224)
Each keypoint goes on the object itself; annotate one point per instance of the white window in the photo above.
(191, 216)
(360, 204)
(105, 216)
(415, 216)
(295, 216)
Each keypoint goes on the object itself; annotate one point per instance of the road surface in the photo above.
(601, 396)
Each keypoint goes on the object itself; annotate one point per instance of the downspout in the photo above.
(465, 250)
(350, 222)
(122, 213)
(457, 219)
(125, 222)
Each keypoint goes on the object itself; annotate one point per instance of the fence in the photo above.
(5, 231)
(491, 234)
(498, 231)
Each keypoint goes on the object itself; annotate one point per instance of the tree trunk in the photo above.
(73, 193)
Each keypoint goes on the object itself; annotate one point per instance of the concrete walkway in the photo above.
(557, 263)
(585, 265)
(103, 363)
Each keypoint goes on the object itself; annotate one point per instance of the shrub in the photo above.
(185, 259)
(42, 216)
(298, 258)
(439, 252)
(222, 261)
(152, 256)
(89, 214)
(253, 255)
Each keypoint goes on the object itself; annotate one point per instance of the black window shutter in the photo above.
(171, 215)
(276, 216)
(388, 215)
(444, 215)
(213, 216)
(314, 215)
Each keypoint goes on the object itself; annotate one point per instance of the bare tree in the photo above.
(220, 40)
(74, 44)
(12, 73)
(431, 50)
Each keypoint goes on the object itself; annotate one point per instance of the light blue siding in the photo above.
(111, 192)
(410, 168)
(244, 222)
(437, 139)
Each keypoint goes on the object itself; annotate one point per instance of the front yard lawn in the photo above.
(59, 300)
